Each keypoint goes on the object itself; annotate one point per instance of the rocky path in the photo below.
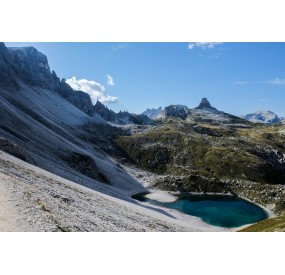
(8, 216)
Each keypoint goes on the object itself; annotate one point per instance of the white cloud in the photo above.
(277, 81)
(240, 82)
(203, 45)
(94, 89)
(110, 80)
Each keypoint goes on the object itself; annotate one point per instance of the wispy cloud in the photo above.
(94, 89)
(119, 46)
(240, 82)
(110, 81)
(203, 45)
(277, 81)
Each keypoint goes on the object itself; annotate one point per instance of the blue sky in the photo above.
(237, 78)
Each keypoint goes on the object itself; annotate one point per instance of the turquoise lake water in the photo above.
(219, 210)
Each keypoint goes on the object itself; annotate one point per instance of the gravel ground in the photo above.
(8, 214)
(37, 200)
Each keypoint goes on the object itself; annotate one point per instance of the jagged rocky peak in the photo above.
(26, 66)
(127, 118)
(99, 106)
(152, 113)
(29, 57)
(122, 118)
(104, 112)
(32, 65)
(205, 104)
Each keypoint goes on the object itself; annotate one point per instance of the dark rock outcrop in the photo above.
(179, 111)
(7, 70)
(87, 166)
(32, 66)
(205, 104)
(15, 150)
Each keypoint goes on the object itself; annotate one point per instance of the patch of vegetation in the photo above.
(201, 157)
(217, 152)
(63, 228)
(271, 225)
(42, 205)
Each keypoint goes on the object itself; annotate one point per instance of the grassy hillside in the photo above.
(272, 225)
(247, 160)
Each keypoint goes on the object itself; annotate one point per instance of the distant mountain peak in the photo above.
(262, 116)
(152, 113)
(205, 104)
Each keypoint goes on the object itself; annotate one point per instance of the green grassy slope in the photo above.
(247, 160)
(271, 225)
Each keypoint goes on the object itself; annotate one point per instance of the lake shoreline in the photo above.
(170, 196)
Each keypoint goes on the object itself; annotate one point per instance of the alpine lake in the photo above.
(219, 210)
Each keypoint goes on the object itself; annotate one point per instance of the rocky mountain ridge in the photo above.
(121, 118)
(263, 116)
(152, 113)
(46, 123)
(203, 113)
(30, 67)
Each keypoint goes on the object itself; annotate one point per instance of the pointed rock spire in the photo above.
(204, 104)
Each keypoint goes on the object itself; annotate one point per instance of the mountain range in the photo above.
(107, 157)
(204, 112)
(263, 116)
